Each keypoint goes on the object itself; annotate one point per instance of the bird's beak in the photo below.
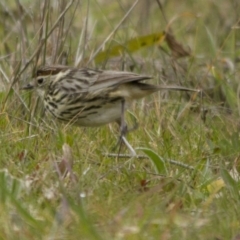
(29, 86)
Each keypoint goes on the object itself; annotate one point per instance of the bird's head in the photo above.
(40, 83)
(46, 76)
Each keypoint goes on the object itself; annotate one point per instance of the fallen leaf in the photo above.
(177, 48)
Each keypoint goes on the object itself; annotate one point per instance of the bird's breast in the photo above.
(88, 113)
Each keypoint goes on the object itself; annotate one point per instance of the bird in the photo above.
(90, 97)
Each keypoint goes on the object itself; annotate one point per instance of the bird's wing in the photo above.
(110, 79)
(94, 80)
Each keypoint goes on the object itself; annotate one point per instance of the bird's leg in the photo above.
(124, 130)
(123, 125)
(134, 127)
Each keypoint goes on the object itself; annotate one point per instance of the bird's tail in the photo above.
(153, 88)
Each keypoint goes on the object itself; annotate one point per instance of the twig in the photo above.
(162, 11)
(173, 162)
(114, 30)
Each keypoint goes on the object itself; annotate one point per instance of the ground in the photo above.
(57, 180)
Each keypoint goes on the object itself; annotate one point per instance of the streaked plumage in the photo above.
(87, 97)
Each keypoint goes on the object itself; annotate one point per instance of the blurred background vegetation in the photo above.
(56, 182)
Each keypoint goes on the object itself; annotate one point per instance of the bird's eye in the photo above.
(40, 81)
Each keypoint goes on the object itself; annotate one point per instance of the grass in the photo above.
(105, 197)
